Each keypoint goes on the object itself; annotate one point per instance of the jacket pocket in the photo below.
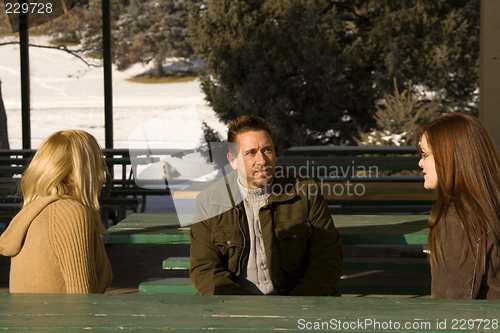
(230, 245)
(292, 241)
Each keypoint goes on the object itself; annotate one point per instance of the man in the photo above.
(260, 233)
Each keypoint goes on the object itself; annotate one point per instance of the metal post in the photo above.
(490, 68)
(25, 79)
(108, 80)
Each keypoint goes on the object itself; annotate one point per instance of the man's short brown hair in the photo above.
(247, 124)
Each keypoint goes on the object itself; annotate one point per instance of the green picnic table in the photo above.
(146, 228)
(154, 313)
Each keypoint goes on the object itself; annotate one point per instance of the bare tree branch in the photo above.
(60, 47)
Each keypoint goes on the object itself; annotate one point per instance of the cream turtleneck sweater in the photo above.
(255, 277)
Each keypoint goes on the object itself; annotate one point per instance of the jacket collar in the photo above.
(227, 194)
(283, 189)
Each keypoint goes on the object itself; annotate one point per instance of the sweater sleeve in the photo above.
(71, 240)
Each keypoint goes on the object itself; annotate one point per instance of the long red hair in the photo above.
(468, 171)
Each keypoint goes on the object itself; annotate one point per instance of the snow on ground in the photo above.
(65, 94)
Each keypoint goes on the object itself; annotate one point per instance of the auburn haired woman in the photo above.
(54, 241)
(460, 161)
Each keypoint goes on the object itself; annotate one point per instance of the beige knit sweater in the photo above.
(55, 247)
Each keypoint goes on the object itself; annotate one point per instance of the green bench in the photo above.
(363, 286)
(188, 313)
(354, 229)
(358, 263)
(364, 167)
(120, 194)
(147, 228)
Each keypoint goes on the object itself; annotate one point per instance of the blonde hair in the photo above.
(68, 164)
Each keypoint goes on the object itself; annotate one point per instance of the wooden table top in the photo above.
(148, 313)
(145, 228)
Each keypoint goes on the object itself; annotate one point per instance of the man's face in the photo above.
(256, 162)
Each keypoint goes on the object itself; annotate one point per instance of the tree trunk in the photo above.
(159, 67)
(4, 137)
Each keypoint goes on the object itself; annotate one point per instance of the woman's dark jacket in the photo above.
(460, 276)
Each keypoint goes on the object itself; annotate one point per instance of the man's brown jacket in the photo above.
(302, 245)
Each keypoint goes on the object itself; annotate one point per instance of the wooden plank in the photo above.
(381, 209)
(340, 220)
(390, 264)
(382, 229)
(346, 164)
(393, 191)
(17, 152)
(176, 263)
(11, 170)
(147, 237)
(143, 228)
(358, 263)
(348, 150)
(366, 286)
(167, 286)
(152, 218)
(140, 312)
(120, 191)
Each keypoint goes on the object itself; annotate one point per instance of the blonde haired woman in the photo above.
(54, 241)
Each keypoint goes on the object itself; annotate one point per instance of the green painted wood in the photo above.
(176, 263)
(145, 218)
(347, 286)
(360, 263)
(144, 228)
(148, 313)
(167, 286)
(149, 237)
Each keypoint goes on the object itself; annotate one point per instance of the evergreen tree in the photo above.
(398, 118)
(68, 28)
(434, 44)
(152, 31)
(92, 33)
(316, 68)
(144, 31)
